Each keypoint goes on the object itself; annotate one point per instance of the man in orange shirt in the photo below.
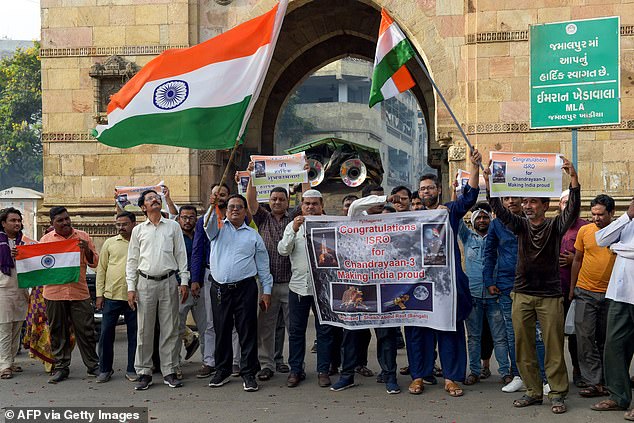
(70, 302)
(591, 270)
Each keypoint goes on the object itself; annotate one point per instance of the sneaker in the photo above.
(323, 380)
(191, 348)
(265, 374)
(132, 376)
(343, 383)
(430, 380)
(515, 385)
(219, 379)
(205, 371)
(546, 389)
(392, 388)
(94, 372)
(58, 376)
(104, 377)
(235, 370)
(282, 368)
(172, 381)
(249, 384)
(145, 381)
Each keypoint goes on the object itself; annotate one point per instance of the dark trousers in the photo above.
(572, 342)
(236, 304)
(79, 314)
(298, 310)
(112, 309)
(590, 324)
(452, 348)
(618, 353)
(337, 339)
(486, 342)
(385, 351)
(364, 338)
(280, 336)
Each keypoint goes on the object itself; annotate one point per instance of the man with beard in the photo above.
(591, 270)
(237, 255)
(156, 254)
(485, 305)
(452, 347)
(416, 203)
(537, 293)
(199, 274)
(300, 300)
(112, 298)
(70, 302)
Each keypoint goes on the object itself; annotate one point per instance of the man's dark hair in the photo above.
(349, 197)
(56, 211)
(127, 214)
(188, 207)
(143, 194)
(604, 200)
(415, 195)
(280, 189)
(244, 200)
(389, 208)
(431, 177)
(482, 205)
(369, 188)
(4, 214)
(223, 185)
(402, 188)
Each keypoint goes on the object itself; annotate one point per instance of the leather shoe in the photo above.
(294, 379)
(58, 376)
(323, 380)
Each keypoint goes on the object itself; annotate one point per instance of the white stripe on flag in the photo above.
(215, 85)
(389, 89)
(35, 263)
(390, 38)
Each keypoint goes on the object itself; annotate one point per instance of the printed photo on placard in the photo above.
(434, 244)
(349, 298)
(498, 173)
(260, 169)
(325, 248)
(407, 296)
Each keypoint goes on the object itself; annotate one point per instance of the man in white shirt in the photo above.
(155, 255)
(619, 236)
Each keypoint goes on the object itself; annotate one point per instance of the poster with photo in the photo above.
(263, 191)
(288, 169)
(462, 178)
(127, 198)
(525, 174)
(383, 270)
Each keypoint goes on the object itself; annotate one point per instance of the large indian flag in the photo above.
(199, 97)
(393, 50)
(49, 263)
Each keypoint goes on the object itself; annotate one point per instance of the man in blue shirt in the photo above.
(237, 254)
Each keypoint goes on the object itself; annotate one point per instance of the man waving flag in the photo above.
(199, 97)
(393, 50)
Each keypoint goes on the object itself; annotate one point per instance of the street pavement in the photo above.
(275, 403)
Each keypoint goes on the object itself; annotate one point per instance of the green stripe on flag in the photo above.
(53, 276)
(210, 128)
(387, 67)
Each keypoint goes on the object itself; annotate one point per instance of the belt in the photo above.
(232, 285)
(158, 278)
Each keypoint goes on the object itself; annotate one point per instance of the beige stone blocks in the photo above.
(149, 14)
(501, 67)
(554, 14)
(72, 165)
(122, 15)
(142, 34)
(66, 37)
(516, 19)
(108, 36)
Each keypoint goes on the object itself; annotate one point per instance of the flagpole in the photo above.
(426, 72)
(223, 179)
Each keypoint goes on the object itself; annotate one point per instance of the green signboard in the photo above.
(575, 73)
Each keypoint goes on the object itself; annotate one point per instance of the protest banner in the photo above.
(525, 174)
(462, 177)
(263, 191)
(127, 197)
(288, 169)
(383, 270)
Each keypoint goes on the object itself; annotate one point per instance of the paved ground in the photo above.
(196, 402)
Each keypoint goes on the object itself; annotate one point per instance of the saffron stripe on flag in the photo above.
(35, 250)
(51, 276)
(59, 260)
(387, 41)
(403, 79)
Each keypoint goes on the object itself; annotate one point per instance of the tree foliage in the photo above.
(21, 119)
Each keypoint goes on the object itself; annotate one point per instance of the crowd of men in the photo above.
(242, 271)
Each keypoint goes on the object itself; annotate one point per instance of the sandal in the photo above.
(525, 401)
(507, 379)
(606, 405)
(404, 370)
(16, 369)
(557, 405)
(453, 389)
(472, 379)
(416, 387)
(364, 371)
(629, 415)
(6, 374)
(593, 391)
(486, 372)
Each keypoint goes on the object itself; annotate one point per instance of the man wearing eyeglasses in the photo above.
(237, 254)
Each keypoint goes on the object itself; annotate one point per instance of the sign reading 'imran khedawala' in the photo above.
(575, 73)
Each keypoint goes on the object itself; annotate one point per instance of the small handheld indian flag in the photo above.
(50, 263)
(390, 76)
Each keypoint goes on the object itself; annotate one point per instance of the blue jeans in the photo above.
(110, 314)
(489, 308)
(298, 311)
